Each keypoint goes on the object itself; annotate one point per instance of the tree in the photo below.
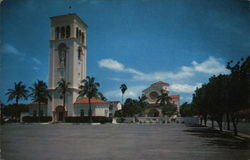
(123, 88)
(187, 110)
(40, 94)
(225, 94)
(131, 108)
(142, 103)
(89, 88)
(169, 110)
(19, 92)
(63, 88)
(199, 103)
(102, 97)
(163, 98)
(239, 92)
(216, 101)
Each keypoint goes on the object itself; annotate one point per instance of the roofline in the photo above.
(71, 14)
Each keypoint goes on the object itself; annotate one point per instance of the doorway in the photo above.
(59, 114)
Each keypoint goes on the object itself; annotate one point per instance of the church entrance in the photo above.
(153, 112)
(59, 114)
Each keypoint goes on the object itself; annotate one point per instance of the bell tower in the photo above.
(67, 61)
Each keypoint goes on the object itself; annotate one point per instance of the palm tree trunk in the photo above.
(201, 118)
(39, 112)
(228, 122)
(90, 112)
(205, 120)
(16, 108)
(122, 98)
(212, 123)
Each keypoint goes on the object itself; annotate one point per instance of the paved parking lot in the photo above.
(118, 141)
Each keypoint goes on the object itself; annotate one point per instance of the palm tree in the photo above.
(123, 88)
(163, 98)
(142, 98)
(40, 94)
(89, 88)
(19, 92)
(142, 101)
(102, 97)
(63, 88)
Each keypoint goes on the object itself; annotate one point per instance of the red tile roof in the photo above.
(175, 96)
(86, 100)
(35, 103)
(114, 102)
(160, 83)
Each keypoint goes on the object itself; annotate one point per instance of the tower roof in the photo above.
(175, 96)
(160, 83)
(86, 100)
(69, 16)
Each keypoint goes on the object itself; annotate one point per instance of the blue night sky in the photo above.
(136, 42)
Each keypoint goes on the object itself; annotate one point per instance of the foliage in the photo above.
(163, 98)
(169, 110)
(13, 108)
(19, 92)
(102, 97)
(225, 94)
(187, 110)
(123, 88)
(132, 107)
(63, 88)
(89, 88)
(40, 94)
(119, 113)
(87, 119)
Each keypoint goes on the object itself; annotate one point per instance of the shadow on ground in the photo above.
(215, 137)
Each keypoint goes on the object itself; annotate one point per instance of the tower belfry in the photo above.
(67, 61)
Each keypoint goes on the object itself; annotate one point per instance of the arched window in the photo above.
(76, 32)
(62, 32)
(79, 53)
(79, 35)
(62, 50)
(67, 31)
(57, 32)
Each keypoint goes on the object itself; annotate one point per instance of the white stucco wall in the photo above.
(98, 109)
(75, 69)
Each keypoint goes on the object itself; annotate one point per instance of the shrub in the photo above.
(86, 119)
(120, 120)
(31, 119)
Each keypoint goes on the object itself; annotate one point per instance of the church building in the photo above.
(155, 90)
(67, 60)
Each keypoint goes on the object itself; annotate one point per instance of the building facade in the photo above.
(67, 60)
(155, 90)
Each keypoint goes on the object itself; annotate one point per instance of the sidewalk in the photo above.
(241, 136)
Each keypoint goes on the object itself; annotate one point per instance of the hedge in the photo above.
(86, 119)
(31, 119)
